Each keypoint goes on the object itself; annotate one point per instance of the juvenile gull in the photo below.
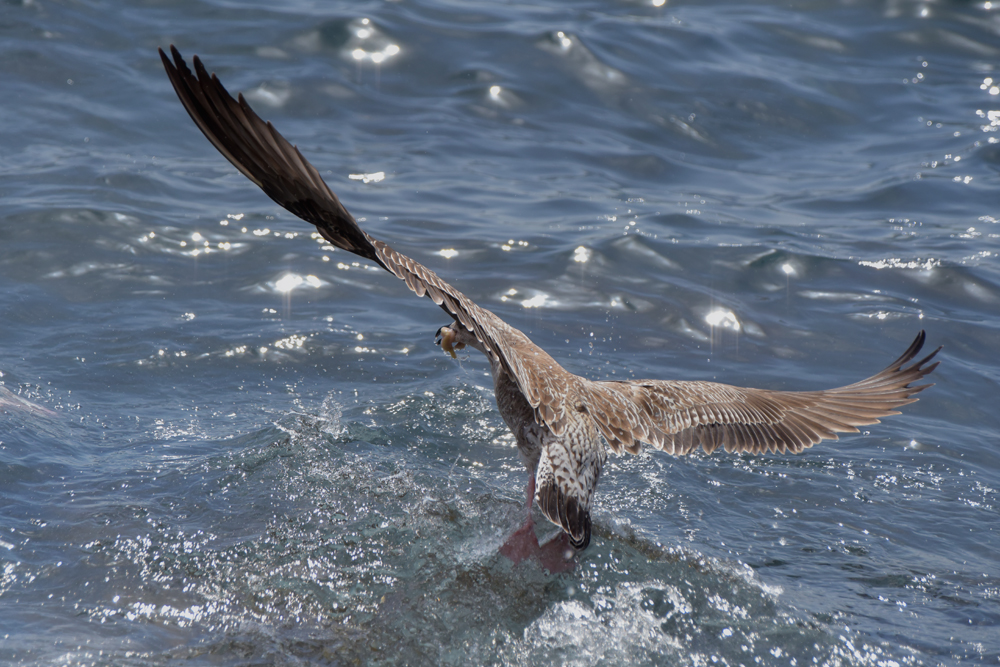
(559, 420)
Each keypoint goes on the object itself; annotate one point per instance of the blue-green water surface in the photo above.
(221, 444)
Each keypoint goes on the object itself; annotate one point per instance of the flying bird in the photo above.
(562, 423)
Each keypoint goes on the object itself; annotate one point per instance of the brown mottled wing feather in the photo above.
(680, 417)
(278, 168)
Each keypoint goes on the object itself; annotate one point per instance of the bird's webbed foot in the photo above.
(556, 555)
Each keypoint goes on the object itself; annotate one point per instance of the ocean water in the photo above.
(221, 444)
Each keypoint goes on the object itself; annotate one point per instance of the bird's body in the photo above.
(560, 421)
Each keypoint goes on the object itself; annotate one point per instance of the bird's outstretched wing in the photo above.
(680, 417)
(677, 417)
(278, 168)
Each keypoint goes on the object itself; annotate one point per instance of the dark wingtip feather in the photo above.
(261, 154)
(911, 351)
(928, 358)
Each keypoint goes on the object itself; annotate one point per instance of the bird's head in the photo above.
(446, 337)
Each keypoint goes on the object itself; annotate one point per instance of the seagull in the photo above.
(563, 423)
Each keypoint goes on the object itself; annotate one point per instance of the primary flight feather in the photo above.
(559, 420)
